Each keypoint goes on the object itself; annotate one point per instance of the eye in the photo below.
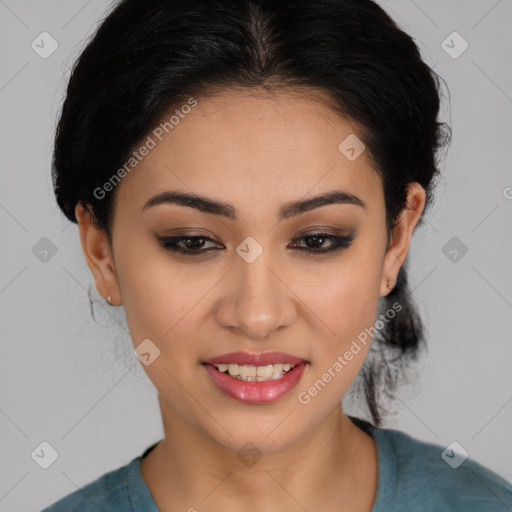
(314, 240)
(189, 245)
(194, 245)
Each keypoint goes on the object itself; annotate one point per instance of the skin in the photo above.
(255, 152)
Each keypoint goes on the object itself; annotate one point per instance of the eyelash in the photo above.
(170, 243)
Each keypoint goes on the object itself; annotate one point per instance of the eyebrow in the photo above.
(212, 206)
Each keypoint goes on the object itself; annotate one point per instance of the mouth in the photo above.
(255, 358)
(249, 373)
(255, 378)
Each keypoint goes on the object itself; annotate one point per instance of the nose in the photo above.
(258, 300)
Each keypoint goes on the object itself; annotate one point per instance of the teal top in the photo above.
(413, 476)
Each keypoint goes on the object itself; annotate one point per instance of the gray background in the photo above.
(74, 383)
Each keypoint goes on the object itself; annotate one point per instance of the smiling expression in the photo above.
(246, 229)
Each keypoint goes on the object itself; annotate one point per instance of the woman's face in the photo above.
(257, 290)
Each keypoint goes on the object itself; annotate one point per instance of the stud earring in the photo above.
(390, 286)
(109, 300)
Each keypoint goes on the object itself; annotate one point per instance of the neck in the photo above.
(189, 468)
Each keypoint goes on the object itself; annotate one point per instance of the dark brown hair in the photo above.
(148, 56)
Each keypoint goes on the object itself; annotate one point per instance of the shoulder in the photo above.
(429, 475)
(108, 493)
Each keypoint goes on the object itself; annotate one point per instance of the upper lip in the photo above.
(255, 359)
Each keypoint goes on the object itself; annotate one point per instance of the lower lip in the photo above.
(255, 392)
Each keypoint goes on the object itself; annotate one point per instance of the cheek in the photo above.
(163, 307)
(165, 300)
(343, 296)
(162, 301)
(345, 301)
(160, 297)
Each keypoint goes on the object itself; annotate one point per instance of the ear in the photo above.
(98, 255)
(401, 237)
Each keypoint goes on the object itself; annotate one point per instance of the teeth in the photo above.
(255, 373)
(264, 371)
(233, 369)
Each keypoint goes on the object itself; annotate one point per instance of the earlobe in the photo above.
(386, 285)
(98, 255)
(401, 237)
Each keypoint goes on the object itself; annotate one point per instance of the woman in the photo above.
(246, 176)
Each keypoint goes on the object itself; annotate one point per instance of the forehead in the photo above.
(252, 145)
